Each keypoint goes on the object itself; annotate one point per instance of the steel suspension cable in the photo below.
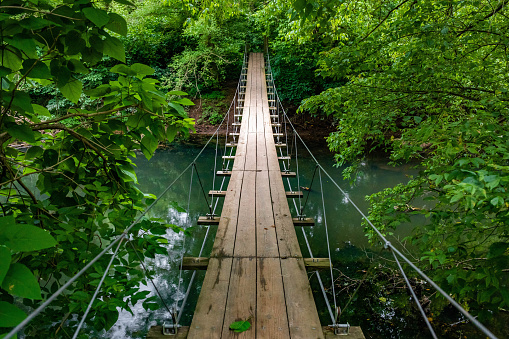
(114, 255)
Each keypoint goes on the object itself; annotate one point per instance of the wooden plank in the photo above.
(156, 332)
(287, 238)
(288, 174)
(303, 222)
(302, 315)
(195, 263)
(283, 158)
(241, 302)
(217, 193)
(225, 235)
(266, 236)
(251, 149)
(245, 239)
(208, 316)
(231, 144)
(294, 194)
(280, 144)
(204, 220)
(314, 264)
(271, 320)
(224, 173)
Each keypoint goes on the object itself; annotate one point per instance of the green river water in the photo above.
(345, 231)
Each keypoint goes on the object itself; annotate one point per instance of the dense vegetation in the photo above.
(84, 84)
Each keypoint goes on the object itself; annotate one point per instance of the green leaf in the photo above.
(497, 201)
(148, 145)
(99, 92)
(41, 110)
(36, 69)
(10, 58)
(21, 132)
(72, 90)
(129, 173)
(123, 69)
(117, 24)
(24, 238)
(171, 132)
(142, 70)
(33, 152)
(114, 48)
(184, 101)
(5, 262)
(176, 93)
(24, 43)
(20, 282)
(240, 326)
(10, 315)
(98, 16)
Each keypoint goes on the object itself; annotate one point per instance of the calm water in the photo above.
(344, 222)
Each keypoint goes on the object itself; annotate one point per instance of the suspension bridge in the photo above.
(256, 272)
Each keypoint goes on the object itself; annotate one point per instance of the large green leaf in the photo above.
(5, 262)
(23, 238)
(10, 58)
(97, 16)
(148, 145)
(72, 90)
(10, 315)
(21, 132)
(114, 48)
(142, 70)
(117, 24)
(36, 69)
(24, 43)
(20, 282)
(240, 326)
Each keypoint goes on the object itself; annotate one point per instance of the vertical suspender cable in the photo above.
(328, 243)
(415, 297)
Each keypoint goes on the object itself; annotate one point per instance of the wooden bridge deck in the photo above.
(256, 270)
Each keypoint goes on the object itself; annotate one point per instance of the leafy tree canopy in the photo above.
(427, 81)
(70, 188)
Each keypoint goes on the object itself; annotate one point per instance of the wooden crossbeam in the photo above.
(231, 144)
(217, 193)
(284, 158)
(201, 263)
(228, 157)
(294, 194)
(273, 116)
(288, 174)
(303, 222)
(204, 220)
(224, 173)
(280, 145)
(234, 133)
(278, 134)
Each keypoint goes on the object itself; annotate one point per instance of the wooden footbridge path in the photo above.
(256, 270)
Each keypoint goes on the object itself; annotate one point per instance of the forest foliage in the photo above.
(86, 83)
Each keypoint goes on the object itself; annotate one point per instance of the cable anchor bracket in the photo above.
(170, 327)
